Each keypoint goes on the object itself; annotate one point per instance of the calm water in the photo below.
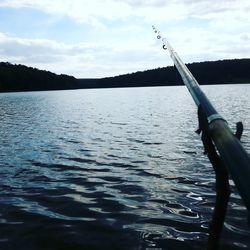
(113, 169)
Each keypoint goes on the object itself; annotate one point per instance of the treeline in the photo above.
(216, 72)
(23, 78)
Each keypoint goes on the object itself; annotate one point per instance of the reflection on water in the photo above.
(113, 168)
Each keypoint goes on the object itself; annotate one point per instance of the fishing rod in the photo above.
(232, 153)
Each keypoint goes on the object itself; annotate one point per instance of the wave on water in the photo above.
(88, 170)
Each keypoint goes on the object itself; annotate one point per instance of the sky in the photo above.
(101, 38)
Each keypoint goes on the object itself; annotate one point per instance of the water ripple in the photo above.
(111, 169)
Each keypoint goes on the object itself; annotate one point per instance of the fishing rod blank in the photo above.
(231, 151)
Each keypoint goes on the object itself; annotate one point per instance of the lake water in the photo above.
(113, 169)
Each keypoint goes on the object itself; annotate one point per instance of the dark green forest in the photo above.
(22, 78)
(216, 72)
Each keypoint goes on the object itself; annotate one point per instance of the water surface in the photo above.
(114, 169)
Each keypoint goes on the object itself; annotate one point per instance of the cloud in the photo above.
(44, 53)
(81, 11)
(226, 15)
(79, 59)
(123, 40)
(86, 11)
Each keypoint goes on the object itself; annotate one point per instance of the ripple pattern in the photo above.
(112, 169)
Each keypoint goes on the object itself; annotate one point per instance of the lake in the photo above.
(113, 169)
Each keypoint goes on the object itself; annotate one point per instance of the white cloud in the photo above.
(81, 60)
(198, 30)
(151, 10)
(198, 44)
(83, 11)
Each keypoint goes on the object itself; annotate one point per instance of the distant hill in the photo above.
(22, 78)
(216, 72)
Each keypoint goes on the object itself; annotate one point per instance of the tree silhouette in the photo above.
(22, 78)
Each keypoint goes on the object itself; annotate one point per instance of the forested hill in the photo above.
(23, 78)
(216, 72)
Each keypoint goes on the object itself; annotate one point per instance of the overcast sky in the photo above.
(98, 38)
